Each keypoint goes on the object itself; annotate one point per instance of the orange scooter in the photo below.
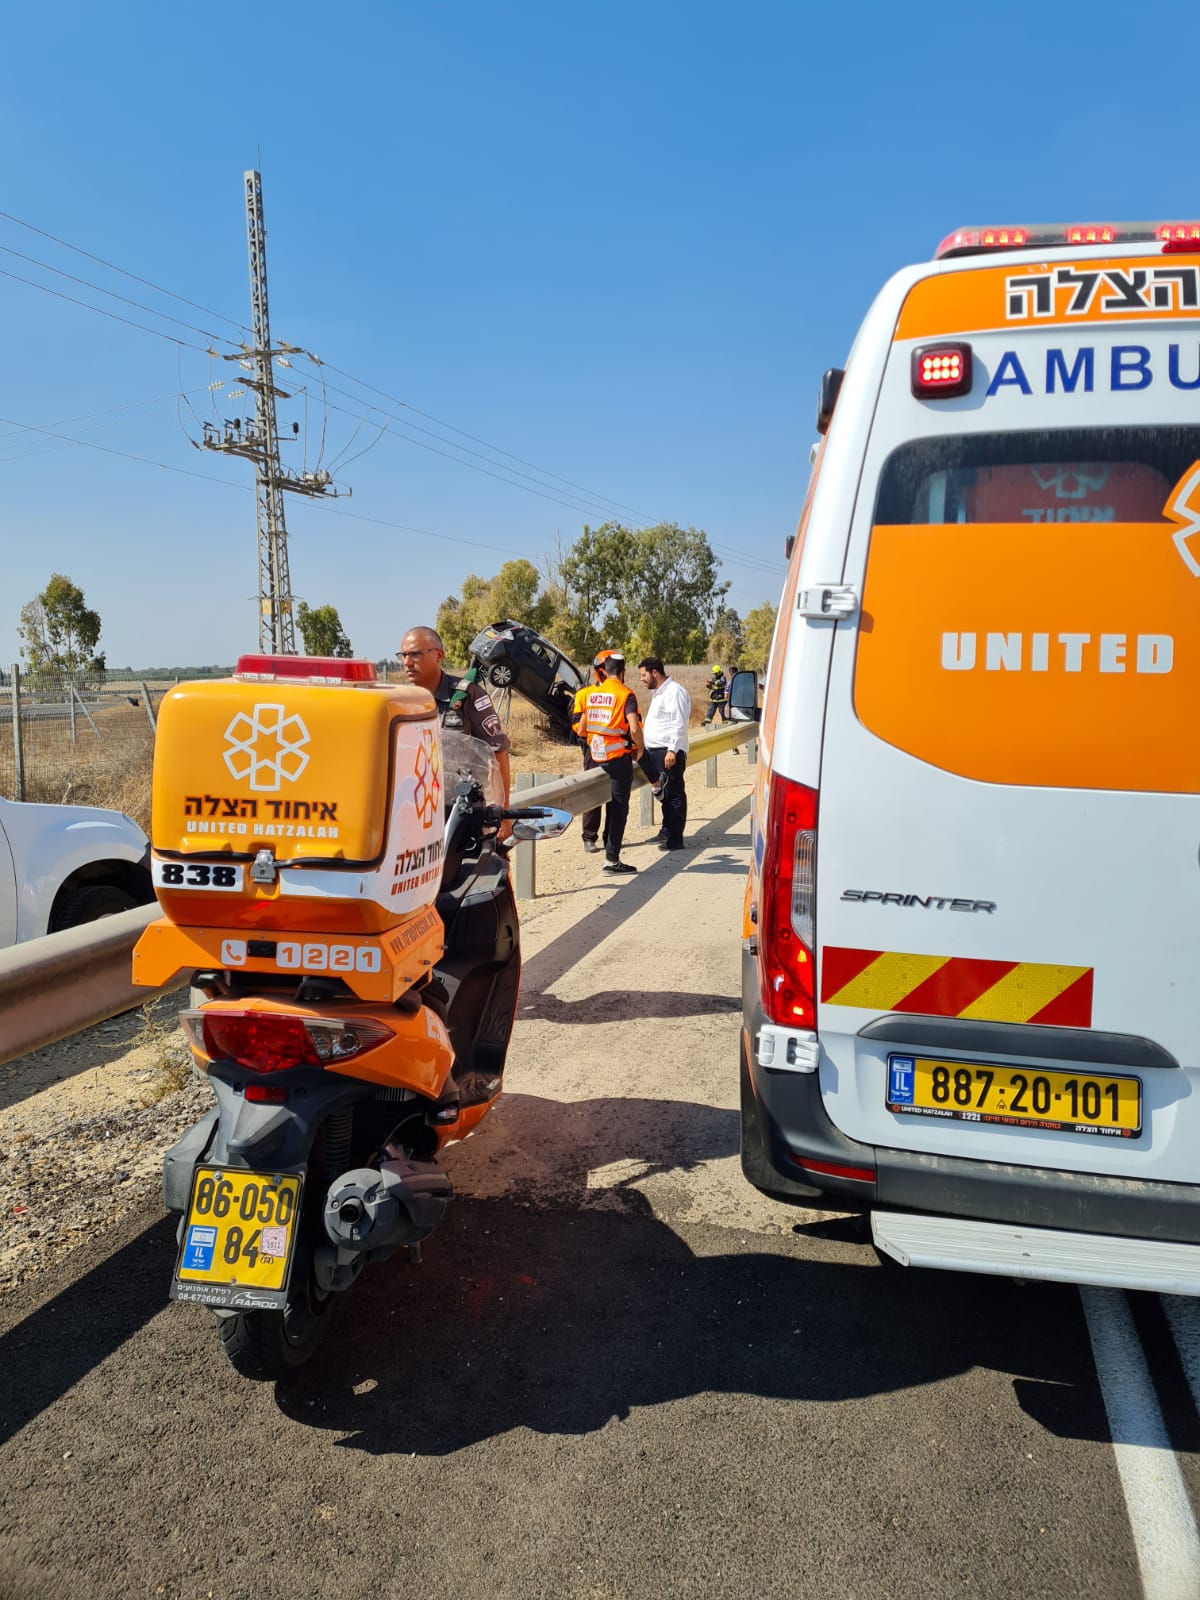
(329, 874)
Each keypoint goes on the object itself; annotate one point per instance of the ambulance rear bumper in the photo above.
(803, 1147)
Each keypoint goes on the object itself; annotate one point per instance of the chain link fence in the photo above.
(71, 739)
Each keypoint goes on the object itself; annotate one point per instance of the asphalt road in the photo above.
(619, 1373)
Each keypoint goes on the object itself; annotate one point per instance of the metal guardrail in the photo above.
(588, 789)
(57, 985)
(65, 982)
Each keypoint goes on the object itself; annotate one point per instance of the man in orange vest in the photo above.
(590, 819)
(611, 728)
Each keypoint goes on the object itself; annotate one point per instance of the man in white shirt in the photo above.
(666, 734)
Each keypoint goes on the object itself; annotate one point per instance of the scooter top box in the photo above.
(299, 794)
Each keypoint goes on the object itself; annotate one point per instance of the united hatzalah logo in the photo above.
(266, 747)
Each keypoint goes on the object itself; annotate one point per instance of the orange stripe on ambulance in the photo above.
(1062, 652)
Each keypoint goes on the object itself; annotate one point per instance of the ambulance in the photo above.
(971, 943)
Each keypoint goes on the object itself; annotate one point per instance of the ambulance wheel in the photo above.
(266, 1345)
(501, 675)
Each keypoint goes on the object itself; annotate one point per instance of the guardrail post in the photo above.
(710, 773)
(524, 858)
(646, 802)
(18, 752)
(149, 708)
(751, 751)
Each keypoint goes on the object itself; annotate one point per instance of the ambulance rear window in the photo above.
(1053, 475)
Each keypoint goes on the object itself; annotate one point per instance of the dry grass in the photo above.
(169, 1057)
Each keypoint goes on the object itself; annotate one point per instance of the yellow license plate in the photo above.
(1020, 1097)
(239, 1231)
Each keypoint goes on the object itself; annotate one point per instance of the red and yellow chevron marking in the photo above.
(952, 986)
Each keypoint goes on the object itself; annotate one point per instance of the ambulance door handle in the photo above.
(827, 602)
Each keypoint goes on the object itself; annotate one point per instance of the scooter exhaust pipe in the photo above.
(372, 1211)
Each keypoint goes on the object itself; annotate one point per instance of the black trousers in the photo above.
(616, 812)
(591, 819)
(674, 796)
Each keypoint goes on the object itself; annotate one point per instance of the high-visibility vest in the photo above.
(604, 719)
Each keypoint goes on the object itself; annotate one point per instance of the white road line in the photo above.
(1183, 1313)
(1160, 1514)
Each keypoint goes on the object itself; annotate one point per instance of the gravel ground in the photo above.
(84, 1123)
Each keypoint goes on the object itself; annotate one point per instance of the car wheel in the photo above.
(89, 903)
(501, 675)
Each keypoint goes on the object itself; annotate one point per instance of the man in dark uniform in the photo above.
(461, 702)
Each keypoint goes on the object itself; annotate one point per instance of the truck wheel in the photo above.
(267, 1345)
(89, 903)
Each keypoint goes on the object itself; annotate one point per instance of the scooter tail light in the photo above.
(275, 1041)
(787, 914)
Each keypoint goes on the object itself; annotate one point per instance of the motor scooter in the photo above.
(356, 986)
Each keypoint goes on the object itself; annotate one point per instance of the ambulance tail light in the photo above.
(303, 669)
(942, 370)
(275, 1041)
(787, 909)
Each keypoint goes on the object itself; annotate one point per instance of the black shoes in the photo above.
(619, 866)
(671, 844)
(591, 846)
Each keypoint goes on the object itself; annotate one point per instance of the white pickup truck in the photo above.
(63, 865)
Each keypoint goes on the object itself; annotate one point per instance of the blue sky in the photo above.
(620, 242)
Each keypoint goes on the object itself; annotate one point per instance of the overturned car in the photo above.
(511, 656)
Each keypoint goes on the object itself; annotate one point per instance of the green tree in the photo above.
(726, 641)
(654, 590)
(759, 627)
(513, 595)
(321, 629)
(58, 631)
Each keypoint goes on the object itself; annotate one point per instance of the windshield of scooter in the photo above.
(465, 757)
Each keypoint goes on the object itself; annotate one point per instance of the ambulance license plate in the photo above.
(1017, 1097)
(238, 1238)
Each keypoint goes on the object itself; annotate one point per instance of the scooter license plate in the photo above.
(239, 1236)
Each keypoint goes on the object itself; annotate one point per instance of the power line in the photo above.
(139, 305)
(100, 311)
(545, 490)
(109, 411)
(124, 271)
(594, 496)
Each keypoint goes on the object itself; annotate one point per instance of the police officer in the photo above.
(610, 724)
(461, 701)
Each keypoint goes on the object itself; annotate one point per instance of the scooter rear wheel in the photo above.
(270, 1344)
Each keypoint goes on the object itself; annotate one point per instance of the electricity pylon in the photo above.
(258, 441)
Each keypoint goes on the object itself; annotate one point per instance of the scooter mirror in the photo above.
(547, 827)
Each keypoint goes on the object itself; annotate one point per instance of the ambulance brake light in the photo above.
(303, 669)
(943, 370)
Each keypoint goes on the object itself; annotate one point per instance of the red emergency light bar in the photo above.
(943, 370)
(1065, 235)
(308, 669)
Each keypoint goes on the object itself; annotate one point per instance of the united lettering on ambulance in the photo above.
(980, 700)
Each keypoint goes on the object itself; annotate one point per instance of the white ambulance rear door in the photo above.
(1008, 825)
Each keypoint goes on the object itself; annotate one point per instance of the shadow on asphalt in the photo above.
(560, 1321)
(620, 1005)
(62, 1341)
